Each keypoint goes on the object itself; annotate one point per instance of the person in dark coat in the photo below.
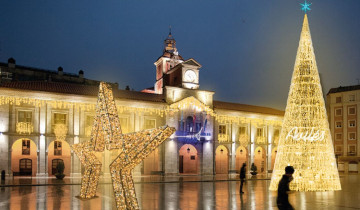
(242, 177)
(283, 189)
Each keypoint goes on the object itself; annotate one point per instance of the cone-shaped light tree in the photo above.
(305, 140)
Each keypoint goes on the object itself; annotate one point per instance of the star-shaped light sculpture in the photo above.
(133, 148)
(305, 6)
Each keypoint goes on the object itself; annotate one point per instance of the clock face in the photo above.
(190, 76)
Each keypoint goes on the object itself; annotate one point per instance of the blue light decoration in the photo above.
(305, 6)
(193, 134)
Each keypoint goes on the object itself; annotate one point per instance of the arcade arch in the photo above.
(59, 151)
(241, 157)
(221, 160)
(260, 159)
(188, 159)
(24, 157)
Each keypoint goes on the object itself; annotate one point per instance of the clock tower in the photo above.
(173, 70)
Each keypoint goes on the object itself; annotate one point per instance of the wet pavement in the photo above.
(172, 193)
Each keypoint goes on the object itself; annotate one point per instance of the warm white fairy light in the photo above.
(24, 128)
(60, 131)
(305, 140)
(132, 147)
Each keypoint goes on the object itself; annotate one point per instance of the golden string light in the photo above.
(305, 140)
(60, 131)
(24, 128)
(244, 139)
(132, 147)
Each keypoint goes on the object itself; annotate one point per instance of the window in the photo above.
(26, 147)
(276, 133)
(338, 149)
(150, 123)
(124, 124)
(57, 148)
(352, 149)
(338, 99)
(352, 123)
(260, 132)
(222, 129)
(89, 120)
(338, 112)
(352, 136)
(352, 110)
(25, 116)
(338, 136)
(338, 124)
(242, 130)
(58, 118)
(351, 97)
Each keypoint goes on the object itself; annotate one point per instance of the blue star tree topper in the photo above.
(305, 6)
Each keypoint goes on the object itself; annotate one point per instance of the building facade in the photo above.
(343, 105)
(43, 113)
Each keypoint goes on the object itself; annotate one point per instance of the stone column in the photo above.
(42, 169)
(171, 152)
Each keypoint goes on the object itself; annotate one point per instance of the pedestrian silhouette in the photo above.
(283, 189)
(242, 177)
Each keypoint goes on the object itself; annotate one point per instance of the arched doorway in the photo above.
(241, 157)
(259, 159)
(188, 159)
(221, 160)
(24, 157)
(151, 162)
(273, 156)
(59, 151)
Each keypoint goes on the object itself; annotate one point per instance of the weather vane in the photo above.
(305, 6)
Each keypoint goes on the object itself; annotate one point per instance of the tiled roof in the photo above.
(39, 69)
(247, 108)
(77, 89)
(344, 89)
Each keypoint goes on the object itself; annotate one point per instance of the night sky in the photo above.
(247, 48)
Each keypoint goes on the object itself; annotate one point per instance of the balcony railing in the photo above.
(244, 139)
(24, 128)
(260, 140)
(223, 138)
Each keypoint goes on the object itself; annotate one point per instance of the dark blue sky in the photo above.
(247, 47)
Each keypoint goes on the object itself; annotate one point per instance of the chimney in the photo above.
(60, 71)
(81, 74)
(11, 62)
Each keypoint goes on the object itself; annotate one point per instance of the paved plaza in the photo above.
(172, 193)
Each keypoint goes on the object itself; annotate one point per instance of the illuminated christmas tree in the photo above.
(305, 141)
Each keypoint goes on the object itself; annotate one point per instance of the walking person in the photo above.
(283, 189)
(242, 177)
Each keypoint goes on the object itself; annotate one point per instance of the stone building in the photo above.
(343, 104)
(212, 137)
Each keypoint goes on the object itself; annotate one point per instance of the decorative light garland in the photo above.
(305, 140)
(244, 140)
(60, 131)
(132, 147)
(24, 128)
